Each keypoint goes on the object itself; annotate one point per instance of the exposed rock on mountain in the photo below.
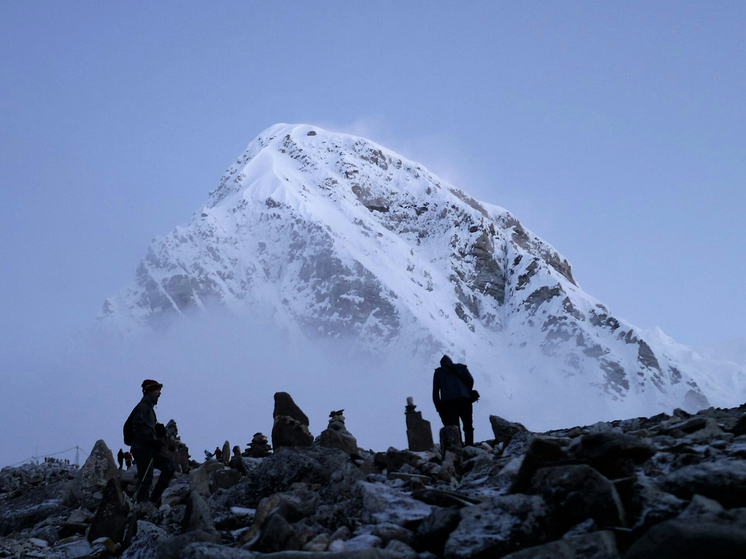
(335, 236)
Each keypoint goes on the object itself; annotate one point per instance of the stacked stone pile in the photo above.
(664, 487)
(336, 434)
(258, 447)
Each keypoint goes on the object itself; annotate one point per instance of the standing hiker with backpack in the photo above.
(147, 438)
(453, 396)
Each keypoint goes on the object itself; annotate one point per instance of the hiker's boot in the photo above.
(469, 437)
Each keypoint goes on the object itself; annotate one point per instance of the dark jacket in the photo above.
(143, 426)
(451, 382)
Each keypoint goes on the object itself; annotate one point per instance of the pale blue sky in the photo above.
(614, 130)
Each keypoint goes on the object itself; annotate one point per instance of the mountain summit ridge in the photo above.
(335, 236)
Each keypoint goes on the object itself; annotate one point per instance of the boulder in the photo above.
(596, 545)
(382, 503)
(86, 488)
(652, 506)
(443, 498)
(71, 547)
(176, 494)
(740, 427)
(689, 425)
(224, 478)
(540, 452)
(387, 531)
(275, 534)
(287, 431)
(614, 455)
(395, 459)
(336, 434)
(450, 468)
(15, 519)
(723, 480)
(505, 430)
(285, 406)
(172, 548)
(483, 475)
(330, 468)
(693, 536)
(112, 515)
(363, 541)
(318, 543)
(498, 526)
(401, 550)
(200, 479)
(432, 533)
(291, 506)
(145, 543)
(343, 440)
(576, 493)
(198, 517)
(450, 439)
(518, 444)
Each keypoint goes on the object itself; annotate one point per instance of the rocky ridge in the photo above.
(337, 237)
(662, 486)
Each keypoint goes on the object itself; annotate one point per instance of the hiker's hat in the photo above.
(149, 384)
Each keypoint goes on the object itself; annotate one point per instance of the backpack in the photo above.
(128, 430)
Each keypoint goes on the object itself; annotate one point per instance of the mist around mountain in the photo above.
(331, 237)
(330, 267)
(732, 351)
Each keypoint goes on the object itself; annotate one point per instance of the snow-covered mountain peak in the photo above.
(335, 236)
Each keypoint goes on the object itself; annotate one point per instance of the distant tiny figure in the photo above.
(147, 446)
(120, 458)
(452, 396)
(128, 459)
(218, 454)
(208, 455)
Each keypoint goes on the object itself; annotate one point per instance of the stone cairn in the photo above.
(226, 456)
(419, 432)
(290, 423)
(336, 434)
(667, 486)
(258, 447)
(180, 452)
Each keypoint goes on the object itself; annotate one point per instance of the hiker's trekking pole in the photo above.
(131, 530)
(137, 491)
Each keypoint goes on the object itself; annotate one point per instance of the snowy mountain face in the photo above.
(334, 236)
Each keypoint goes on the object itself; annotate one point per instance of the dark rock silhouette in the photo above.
(258, 447)
(505, 430)
(419, 431)
(336, 434)
(90, 480)
(290, 423)
(111, 517)
(665, 486)
(285, 405)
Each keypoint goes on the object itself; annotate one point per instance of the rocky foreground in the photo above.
(665, 486)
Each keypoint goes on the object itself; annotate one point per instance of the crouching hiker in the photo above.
(148, 440)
